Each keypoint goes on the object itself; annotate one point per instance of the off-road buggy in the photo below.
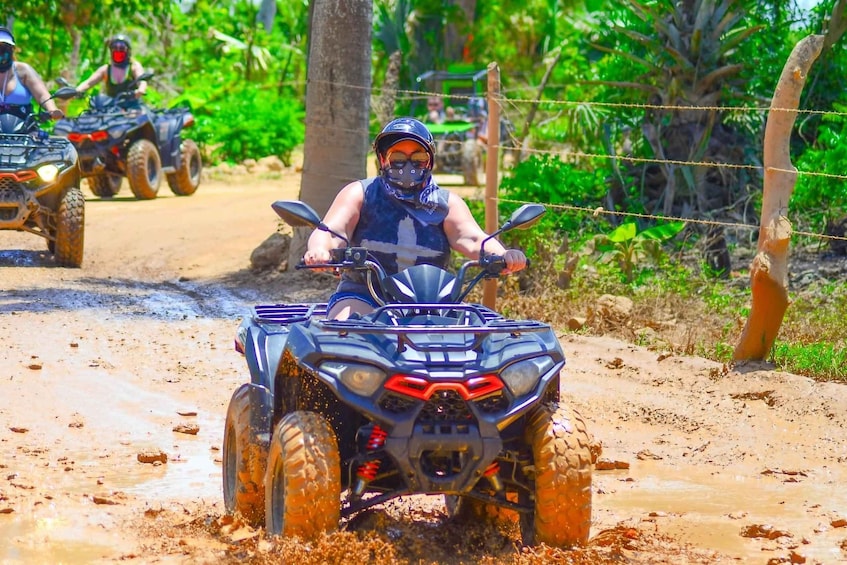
(117, 137)
(460, 120)
(39, 182)
(426, 395)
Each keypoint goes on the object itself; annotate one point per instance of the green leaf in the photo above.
(662, 232)
(623, 232)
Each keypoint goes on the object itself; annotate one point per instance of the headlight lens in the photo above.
(358, 377)
(48, 173)
(521, 377)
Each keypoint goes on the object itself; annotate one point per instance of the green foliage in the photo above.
(629, 249)
(547, 179)
(820, 360)
(249, 123)
(818, 198)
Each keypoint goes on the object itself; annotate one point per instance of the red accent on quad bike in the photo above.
(20, 176)
(368, 470)
(422, 389)
(80, 137)
(492, 469)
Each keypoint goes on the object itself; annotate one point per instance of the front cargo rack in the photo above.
(288, 313)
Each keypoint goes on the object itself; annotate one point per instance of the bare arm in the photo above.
(342, 217)
(466, 237)
(32, 81)
(137, 71)
(96, 76)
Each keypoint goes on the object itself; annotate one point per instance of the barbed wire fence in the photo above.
(512, 104)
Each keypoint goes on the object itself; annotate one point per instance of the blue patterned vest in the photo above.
(394, 236)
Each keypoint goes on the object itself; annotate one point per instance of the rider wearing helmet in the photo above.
(402, 216)
(19, 83)
(121, 70)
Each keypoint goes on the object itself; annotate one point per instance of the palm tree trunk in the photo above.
(337, 105)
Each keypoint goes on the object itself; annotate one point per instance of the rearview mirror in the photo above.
(65, 93)
(524, 217)
(298, 214)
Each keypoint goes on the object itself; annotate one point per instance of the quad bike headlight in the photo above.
(521, 377)
(48, 173)
(358, 377)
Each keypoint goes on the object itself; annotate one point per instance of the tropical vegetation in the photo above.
(624, 113)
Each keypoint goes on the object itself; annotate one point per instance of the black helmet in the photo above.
(404, 128)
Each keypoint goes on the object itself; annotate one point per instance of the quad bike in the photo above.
(117, 137)
(457, 134)
(39, 182)
(426, 395)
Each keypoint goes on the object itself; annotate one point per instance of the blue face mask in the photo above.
(5, 58)
(408, 177)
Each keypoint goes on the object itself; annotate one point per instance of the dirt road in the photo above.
(131, 357)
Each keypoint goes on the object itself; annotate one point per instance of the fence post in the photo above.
(489, 289)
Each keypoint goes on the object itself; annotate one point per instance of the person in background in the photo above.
(19, 83)
(117, 75)
(435, 110)
(402, 216)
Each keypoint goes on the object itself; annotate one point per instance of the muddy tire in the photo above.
(303, 479)
(70, 229)
(144, 170)
(244, 461)
(561, 451)
(471, 162)
(186, 179)
(449, 154)
(105, 186)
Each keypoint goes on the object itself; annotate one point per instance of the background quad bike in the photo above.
(39, 183)
(115, 139)
(458, 147)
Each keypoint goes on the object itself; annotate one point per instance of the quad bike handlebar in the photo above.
(450, 289)
(358, 259)
(103, 102)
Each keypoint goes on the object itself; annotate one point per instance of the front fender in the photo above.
(263, 351)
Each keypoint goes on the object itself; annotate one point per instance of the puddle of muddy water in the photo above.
(43, 534)
(710, 510)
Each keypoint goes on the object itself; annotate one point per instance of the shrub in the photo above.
(251, 123)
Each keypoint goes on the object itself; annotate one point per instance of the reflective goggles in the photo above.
(419, 159)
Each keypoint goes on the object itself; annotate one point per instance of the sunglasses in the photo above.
(398, 159)
(119, 47)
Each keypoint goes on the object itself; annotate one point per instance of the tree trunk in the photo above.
(456, 34)
(769, 269)
(337, 105)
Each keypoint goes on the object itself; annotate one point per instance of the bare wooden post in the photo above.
(489, 289)
(769, 269)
